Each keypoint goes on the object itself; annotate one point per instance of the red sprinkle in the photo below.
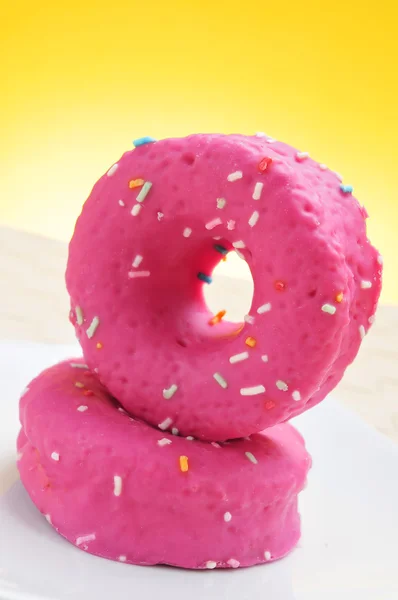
(88, 393)
(264, 164)
(269, 405)
(279, 286)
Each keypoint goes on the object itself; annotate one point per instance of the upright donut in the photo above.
(151, 232)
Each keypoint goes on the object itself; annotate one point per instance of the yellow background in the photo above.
(80, 80)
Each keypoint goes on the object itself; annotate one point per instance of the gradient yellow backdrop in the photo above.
(80, 80)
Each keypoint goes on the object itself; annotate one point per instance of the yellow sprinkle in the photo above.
(251, 342)
(217, 318)
(339, 297)
(98, 345)
(184, 463)
(134, 183)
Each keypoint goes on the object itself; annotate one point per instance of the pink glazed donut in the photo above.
(148, 238)
(120, 489)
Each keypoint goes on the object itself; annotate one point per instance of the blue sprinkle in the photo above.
(220, 249)
(204, 277)
(144, 140)
(347, 189)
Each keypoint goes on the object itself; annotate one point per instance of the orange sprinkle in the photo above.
(184, 463)
(264, 164)
(99, 346)
(269, 405)
(135, 183)
(250, 341)
(217, 318)
(339, 297)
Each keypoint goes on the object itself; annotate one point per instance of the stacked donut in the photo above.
(169, 443)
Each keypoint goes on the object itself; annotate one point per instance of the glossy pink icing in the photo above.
(153, 330)
(225, 511)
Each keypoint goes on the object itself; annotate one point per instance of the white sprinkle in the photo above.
(55, 456)
(85, 538)
(232, 562)
(120, 409)
(230, 225)
(248, 319)
(216, 237)
(25, 391)
(187, 232)
(380, 259)
(239, 244)
(322, 167)
(296, 396)
(221, 202)
(329, 308)
(175, 431)
(238, 357)
(164, 442)
(121, 203)
(117, 485)
(79, 366)
(362, 331)
(264, 308)
(254, 218)
(339, 177)
(165, 424)
(144, 191)
(227, 517)
(211, 564)
(260, 134)
(372, 319)
(258, 188)
(251, 457)
(270, 140)
(302, 155)
(112, 170)
(137, 261)
(160, 216)
(365, 285)
(136, 209)
(79, 315)
(48, 519)
(252, 391)
(235, 176)
(267, 555)
(220, 379)
(82, 408)
(93, 327)
(122, 558)
(282, 385)
(19, 455)
(135, 274)
(213, 223)
(169, 392)
(190, 438)
(79, 384)
(215, 445)
(264, 358)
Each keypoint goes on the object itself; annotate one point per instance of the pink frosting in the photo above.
(113, 486)
(146, 328)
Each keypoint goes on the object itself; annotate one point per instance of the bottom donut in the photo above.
(118, 488)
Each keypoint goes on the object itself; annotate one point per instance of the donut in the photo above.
(121, 489)
(149, 236)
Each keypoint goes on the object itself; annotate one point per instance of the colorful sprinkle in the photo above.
(78, 365)
(137, 261)
(135, 183)
(211, 224)
(269, 405)
(230, 225)
(135, 274)
(55, 456)
(79, 315)
(258, 188)
(122, 558)
(220, 249)
(380, 259)
(249, 319)
(250, 341)
(254, 218)
(339, 297)
(296, 396)
(85, 538)
(79, 384)
(260, 134)
(204, 277)
(235, 176)
(339, 177)
(280, 286)
(264, 164)
(164, 442)
(190, 438)
(239, 244)
(322, 167)
(144, 191)
(165, 424)
(372, 319)
(144, 140)
(187, 232)
(220, 380)
(88, 393)
(48, 519)
(121, 203)
(329, 308)
(264, 308)
(264, 358)
(346, 189)
(169, 392)
(117, 485)
(362, 331)
(215, 445)
(184, 464)
(366, 285)
(217, 318)
(136, 209)
(160, 216)
(112, 170)
(282, 385)
(175, 431)
(301, 155)
(232, 562)
(238, 357)
(227, 517)
(99, 346)
(267, 555)
(211, 564)
(221, 202)
(252, 391)
(251, 457)
(82, 408)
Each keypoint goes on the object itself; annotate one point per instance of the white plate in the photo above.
(349, 511)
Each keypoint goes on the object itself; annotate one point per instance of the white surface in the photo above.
(349, 512)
